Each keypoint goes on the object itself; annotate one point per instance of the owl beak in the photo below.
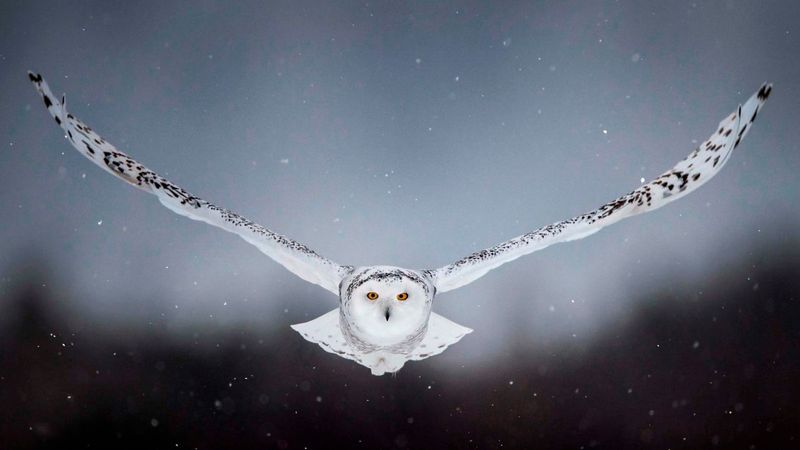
(387, 313)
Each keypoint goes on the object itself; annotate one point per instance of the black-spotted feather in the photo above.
(689, 174)
(293, 255)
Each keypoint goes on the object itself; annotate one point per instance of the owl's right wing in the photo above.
(694, 170)
(296, 257)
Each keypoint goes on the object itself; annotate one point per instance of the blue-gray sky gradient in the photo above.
(407, 134)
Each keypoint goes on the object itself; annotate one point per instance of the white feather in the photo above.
(686, 176)
(296, 257)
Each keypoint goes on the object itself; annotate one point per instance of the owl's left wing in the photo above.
(697, 168)
(296, 257)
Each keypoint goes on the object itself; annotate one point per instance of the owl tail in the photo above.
(326, 332)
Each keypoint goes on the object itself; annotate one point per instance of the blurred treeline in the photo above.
(714, 363)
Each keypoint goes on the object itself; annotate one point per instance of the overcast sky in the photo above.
(410, 133)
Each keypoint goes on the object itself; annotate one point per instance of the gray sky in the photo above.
(410, 134)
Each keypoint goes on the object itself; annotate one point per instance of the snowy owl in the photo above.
(384, 316)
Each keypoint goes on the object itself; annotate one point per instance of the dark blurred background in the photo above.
(405, 133)
(696, 365)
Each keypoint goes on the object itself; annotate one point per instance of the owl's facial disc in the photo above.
(385, 305)
(387, 308)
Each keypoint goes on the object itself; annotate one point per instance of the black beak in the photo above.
(387, 314)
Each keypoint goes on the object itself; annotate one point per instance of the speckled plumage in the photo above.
(703, 163)
(295, 256)
(385, 332)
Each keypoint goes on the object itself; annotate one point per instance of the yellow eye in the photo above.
(402, 297)
(372, 295)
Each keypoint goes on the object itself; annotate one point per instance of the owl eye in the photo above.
(402, 297)
(372, 295)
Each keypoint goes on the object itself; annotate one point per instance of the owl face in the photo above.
(384, 306)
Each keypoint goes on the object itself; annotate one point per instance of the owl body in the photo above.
(384, 319)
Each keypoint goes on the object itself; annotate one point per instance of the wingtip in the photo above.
(34, 77)
(764, 91)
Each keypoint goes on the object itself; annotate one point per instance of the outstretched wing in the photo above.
(697, 168)
(296, 257)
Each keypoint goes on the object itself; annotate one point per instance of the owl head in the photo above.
(384, 305)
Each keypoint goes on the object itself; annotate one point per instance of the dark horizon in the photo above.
(701, 365)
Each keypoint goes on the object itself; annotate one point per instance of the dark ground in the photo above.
(698, 366)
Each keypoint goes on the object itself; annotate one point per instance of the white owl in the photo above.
(384, 317)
